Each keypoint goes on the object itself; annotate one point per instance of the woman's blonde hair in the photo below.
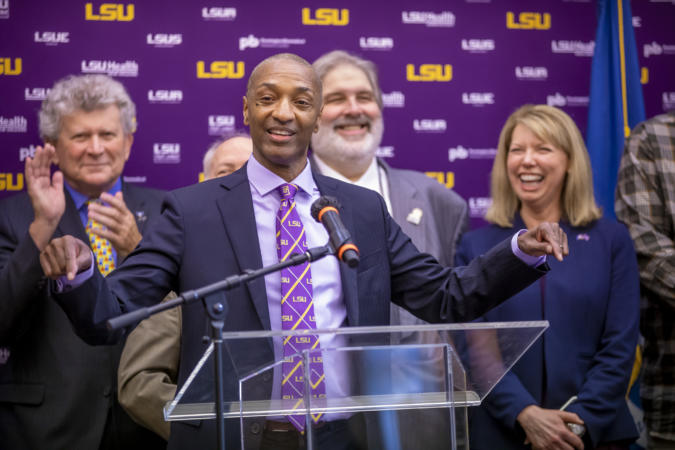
(556, 127)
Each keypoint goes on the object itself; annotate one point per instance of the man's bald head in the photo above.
(283, 57)
(226, 155)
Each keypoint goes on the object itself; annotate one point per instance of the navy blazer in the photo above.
(208, 231)
(55, 390)
(591, 300)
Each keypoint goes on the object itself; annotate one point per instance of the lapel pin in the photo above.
(583, 237)
(141, 217)
(415, 216)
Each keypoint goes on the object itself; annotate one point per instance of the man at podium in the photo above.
(195, 243)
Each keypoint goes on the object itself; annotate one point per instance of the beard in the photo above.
(337, 150)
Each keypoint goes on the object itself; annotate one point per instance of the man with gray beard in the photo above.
(434, 217)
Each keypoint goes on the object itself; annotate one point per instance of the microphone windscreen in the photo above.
(321, 203)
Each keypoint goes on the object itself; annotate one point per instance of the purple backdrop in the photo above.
(451, 72)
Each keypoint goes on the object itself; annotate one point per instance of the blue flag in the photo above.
(616, 103)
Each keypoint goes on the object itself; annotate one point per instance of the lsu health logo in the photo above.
(576, 48)
(16, 124)
(25, 152)
(217, 13)
(528, 21)
(478, 98)
(478, 45)
(668, 100)
(165, 96)
(430, 125)
(164, 40)
(4, 9)
(376, 43)
(385, 152)
(460, 152)
(531, 73)
(429, 72)
(325, 16)
(109, 12)
(35, 94)
(655, 49)
(478, 206)
(447, 179)
(111, 68)
(7, 181)
(445, 19)
(166, 153)
(52, 37)
(560, 100)
(251, 41)
(220, 125)
(221, 69)
(7, 67)
(395, 99)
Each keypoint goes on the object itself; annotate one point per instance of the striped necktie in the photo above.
(297, 308)
(101, 247)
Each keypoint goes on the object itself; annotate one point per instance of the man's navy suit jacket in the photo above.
(208, 231)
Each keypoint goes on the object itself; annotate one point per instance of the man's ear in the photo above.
(316, 125)
(245, 111)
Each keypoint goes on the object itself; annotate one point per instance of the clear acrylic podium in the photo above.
(411, 384)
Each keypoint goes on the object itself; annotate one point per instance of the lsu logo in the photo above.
(6, 66)
(7, 182)
(221, 69)
(110, 12)
(325, 16)
(429, 72)
(528, 21)
(447, 179)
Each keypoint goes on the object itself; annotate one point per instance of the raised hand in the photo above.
(65, 256)
(547, 428)
(46, 194)
(120, 224)
(546, 239)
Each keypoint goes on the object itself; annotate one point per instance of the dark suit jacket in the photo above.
(592, 303)
(56, 391)
(198, 241)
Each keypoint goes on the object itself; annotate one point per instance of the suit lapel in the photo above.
(330, 186)
(136, 204)
(236, 211)
(406, 199)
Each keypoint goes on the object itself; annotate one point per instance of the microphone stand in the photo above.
(215, 305)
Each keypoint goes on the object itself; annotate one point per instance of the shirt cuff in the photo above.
(63, 284)
(532, 261)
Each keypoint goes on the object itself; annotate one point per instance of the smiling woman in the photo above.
(542, 173)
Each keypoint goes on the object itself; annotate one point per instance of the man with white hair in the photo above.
(55, 390)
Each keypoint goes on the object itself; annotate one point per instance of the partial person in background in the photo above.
(542, 173)
(645, 202)
(55, 390)
(148, 370)
(434, 217)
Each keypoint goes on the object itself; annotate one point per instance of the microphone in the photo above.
(325, 211)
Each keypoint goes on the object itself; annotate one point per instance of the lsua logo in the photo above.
(376, 43)
(7, 67)
(478, 98)
(109, 12)
(221, 69)
(528, 21)
(165, 96)
(429, 72)
(478, 45)
(325, 16)
(531, 73)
